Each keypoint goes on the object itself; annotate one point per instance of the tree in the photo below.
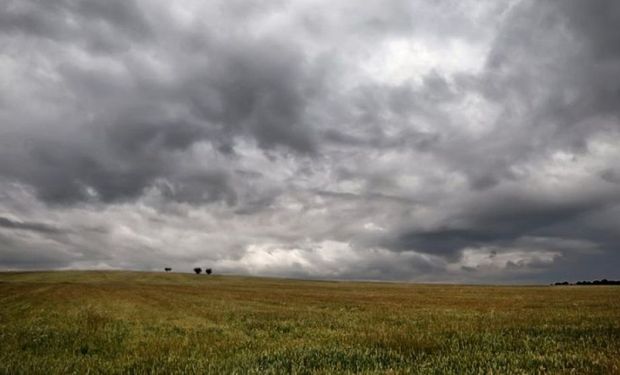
(167, 269)
(208, 271)
(198, 270)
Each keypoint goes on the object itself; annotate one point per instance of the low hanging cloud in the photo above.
(448, 141)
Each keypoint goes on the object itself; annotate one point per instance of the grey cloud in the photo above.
(30, 226)
(503, 217)
(197, 189)
(400, 134)
(229, 87)
(579, 87)
(554, 50)
(248, 89)
(100, 27)
(16, 255)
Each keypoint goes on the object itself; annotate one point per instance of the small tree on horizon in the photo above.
(198, 270)
(208, 271)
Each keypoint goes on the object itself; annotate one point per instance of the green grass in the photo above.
(134, 322)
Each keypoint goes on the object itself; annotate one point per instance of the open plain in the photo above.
(138, 322)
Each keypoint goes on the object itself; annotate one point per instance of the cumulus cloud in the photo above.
(446, 141)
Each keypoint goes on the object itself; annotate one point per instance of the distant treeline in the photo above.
(595, 282)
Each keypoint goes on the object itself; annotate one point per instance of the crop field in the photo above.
(166, 323)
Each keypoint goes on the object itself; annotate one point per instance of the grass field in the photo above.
(133, 322)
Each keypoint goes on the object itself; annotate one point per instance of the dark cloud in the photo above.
(36, 227)
(444, 141)
(129, 123)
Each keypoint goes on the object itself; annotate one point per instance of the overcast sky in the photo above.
(432, 141)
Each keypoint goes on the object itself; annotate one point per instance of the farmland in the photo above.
(140, 322)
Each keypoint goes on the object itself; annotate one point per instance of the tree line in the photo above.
(595, 282)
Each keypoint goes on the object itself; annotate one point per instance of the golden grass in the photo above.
(135, 322)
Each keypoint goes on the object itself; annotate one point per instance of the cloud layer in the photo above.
(429, 141)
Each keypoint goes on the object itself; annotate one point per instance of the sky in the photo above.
(427, 141)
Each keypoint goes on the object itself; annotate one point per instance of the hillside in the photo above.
(137, 322)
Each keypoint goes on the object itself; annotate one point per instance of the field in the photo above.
(135, 322)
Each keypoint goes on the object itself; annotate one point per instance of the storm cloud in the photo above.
(458, 141)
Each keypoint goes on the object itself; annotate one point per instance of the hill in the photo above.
(138, 322)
